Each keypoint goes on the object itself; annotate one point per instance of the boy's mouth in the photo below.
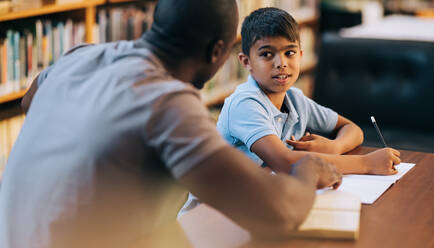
(281, 78)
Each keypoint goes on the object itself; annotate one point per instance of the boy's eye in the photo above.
(266, 54)
(290, 53)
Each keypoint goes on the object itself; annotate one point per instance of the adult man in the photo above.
(115, 135)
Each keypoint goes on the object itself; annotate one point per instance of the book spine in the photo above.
(17, 70)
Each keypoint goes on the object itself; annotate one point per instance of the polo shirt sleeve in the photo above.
(249, 120)
(320, 119)
(181, 132)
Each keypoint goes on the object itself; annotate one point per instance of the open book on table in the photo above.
(334, 214)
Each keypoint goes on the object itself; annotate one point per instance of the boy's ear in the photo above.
(244, 60)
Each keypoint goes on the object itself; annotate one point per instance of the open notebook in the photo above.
(334, 214)
(370, 187)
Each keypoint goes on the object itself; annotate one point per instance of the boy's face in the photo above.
(274, 62)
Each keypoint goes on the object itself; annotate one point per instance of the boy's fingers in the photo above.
(393, 170)
(396, 160)
(298, 145)
(396, 152)
(307, 134)
(292, 142)
(293, 137)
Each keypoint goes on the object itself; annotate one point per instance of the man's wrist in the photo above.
(306, 173)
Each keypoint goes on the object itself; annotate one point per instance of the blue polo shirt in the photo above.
(248, 115)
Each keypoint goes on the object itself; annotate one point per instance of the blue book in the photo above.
(16, 47)
(10, 56)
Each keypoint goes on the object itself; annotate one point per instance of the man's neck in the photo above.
(183, 70)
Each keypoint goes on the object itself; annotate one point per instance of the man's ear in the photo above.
(216, 51)
(244, 61)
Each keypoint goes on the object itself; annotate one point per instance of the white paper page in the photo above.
(370, 187)
(402, 169)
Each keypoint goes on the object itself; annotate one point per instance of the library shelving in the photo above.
(84, 14)
(9, 19)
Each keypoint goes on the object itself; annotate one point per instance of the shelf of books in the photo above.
(30, 40)
(50, 9)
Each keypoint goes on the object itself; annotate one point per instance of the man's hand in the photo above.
(327, 175)
(382, 162)
(314, 143)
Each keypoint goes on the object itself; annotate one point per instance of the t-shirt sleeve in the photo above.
(182, 132)
(248, 121)
(44, 73)
(321, 119)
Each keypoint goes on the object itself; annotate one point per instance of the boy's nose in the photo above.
(280, 62)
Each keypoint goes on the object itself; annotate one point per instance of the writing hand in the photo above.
(382, 162)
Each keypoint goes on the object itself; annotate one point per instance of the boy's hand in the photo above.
(382, 162)
(326, 173)
(314, 143)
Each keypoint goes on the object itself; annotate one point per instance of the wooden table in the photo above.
(401, 217)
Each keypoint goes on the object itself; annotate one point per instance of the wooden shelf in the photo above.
(50, 9)
(12, 96)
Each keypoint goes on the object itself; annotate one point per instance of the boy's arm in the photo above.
(276, 155)
(265, 204)
(348, 136)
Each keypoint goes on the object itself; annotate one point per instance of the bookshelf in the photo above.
(89, 6)
(85, 12)
(12, 96)
(50, 9)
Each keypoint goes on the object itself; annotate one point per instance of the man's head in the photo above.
(198, 30)
(271, 49)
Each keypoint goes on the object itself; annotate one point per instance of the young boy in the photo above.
(265, 112)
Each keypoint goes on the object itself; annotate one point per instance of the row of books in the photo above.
(9, 130)
(123, 23)
(25, 52)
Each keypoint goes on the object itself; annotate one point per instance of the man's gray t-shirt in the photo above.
(95, 165)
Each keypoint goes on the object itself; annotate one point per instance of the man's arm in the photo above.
(276, 155)
(265, 204)
(27, 99)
